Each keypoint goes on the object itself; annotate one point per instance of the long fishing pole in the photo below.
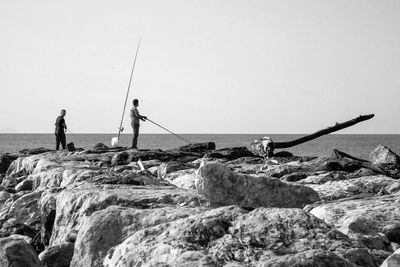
(169, 131)
(127, 91)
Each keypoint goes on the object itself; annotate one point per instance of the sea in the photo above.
(358, 145)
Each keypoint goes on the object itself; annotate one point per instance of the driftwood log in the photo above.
(336, 127)
(265, 146)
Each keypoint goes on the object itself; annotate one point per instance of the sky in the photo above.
(222, 66)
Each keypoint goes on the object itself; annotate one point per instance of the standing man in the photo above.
(135, 122)
(61, 127)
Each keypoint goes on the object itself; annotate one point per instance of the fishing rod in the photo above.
(127, 92)
(169, 131)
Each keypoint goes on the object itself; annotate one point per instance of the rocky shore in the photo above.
(197, 206)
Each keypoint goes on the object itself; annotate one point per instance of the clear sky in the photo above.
(222, 66)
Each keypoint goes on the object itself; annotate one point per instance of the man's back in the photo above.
(60, 124)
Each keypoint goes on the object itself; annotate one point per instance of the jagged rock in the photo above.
(278, 171)
(23, 165)
(183, 179)
(100, 147)
(377, 184)
(47, 206)
(221, 186)
(18, 253)
(34, 151)
(383, 155)
(127, 177)
(111, 226)
(80, 200)
(121, 158)
(323, 177)
(365, 218)
(5, 161)
(393, 260)
(71, 147)
(71, 237)
(25, 185)
(26, 209)
(311, 258)
(230, 153)
(294, 177)
(198, 147)
(283, 154)
(229, 236)
(58, 256)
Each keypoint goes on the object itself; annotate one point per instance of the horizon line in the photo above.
(211, 133)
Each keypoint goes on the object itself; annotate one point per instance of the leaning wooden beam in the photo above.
(336, 127)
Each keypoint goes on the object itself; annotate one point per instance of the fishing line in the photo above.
(169, 131)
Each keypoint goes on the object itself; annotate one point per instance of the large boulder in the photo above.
(5, 161)
(383, 155)
(58, 256)
(107, 228)
(230, 153)
(377, 184)
(373, 220)
(393, 260)
(26, 209)
(183, 179)
(221, 186)
(15, 252)
(80, 200)
(229, 236)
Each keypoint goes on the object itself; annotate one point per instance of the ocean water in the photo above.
(356, 145)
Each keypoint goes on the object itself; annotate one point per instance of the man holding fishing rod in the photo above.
(61, 127)
(135, 122)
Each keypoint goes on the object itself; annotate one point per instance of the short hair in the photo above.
(135, 101)
(63, 111)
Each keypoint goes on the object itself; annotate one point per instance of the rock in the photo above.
(107, 228)
(323, 177)
(230, 153)
(198, 147)
(229, 236)
(47, 206)
(18, 253)
(278, 171)
(283, 154)
(121, 158)
(393, 260)
(184, 179)
(71, 237)
(221, 186)
(100, 147)
(71, 147)
(377, 184)
(25, 185)
(58, 256)
(383, 155)
(80, 200)
(368, 216)
(310, 258)
(294, 177)
(26, 209)
(127, 177)
(34, 151)
(23, 165)
(5, 161)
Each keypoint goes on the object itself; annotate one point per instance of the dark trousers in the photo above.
(60, 138)
(135, 135)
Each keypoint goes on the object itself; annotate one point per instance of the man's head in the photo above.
(135, 102)
(63, 112)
